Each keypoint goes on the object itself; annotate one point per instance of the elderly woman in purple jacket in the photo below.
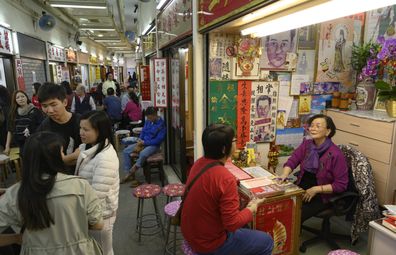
(323, 168)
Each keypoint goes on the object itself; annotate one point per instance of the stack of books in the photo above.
(390, 217)
(260, 188)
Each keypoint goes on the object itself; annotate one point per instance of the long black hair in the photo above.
(134, 97)
(102, 124)
(42, 160)
(14, 106)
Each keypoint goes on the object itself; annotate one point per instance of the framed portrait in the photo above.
(275, 49)
(380, 103)
(380, 22)
(307, 37)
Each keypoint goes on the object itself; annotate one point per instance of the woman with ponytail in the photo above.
(53, 210)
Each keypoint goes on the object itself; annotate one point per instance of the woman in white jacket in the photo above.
(98, 163)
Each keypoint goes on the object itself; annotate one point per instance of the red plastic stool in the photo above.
(142, 192)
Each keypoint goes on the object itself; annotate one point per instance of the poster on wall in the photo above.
(5, 41)
(335, 50)
(175, 64)
(243, 113)
(380, 22)
(264, 105)
(277, 219)
(306, 63)
(275, 49)
(144, 77)
(222, 102)
(160, 82)
(2, 74)
(55, 53)
(307, 37)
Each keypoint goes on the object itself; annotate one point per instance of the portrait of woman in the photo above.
(339, 52)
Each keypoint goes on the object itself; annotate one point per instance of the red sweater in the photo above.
(211, 208)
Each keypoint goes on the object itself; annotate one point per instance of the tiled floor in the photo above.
(125, 238)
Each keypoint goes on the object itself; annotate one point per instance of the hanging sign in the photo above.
(160, 82)
(144, 77)
(55, 53)
(175, 65)
(5, 41)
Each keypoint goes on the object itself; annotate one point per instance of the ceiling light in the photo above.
(84, 19)
(118, 47)
(97, 29)
(5, 24)
(108, 40)
(148, 29)
(161, 4)
(329, 10)
(83, 5)
(270, 9)
(100, 35)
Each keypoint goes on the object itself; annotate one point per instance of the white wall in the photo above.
(19, 17)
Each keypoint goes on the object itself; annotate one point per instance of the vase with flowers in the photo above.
(380, 68)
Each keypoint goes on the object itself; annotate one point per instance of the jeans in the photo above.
(245, 242)
(143, 155)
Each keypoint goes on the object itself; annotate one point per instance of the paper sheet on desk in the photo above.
(257, 171)
(391, 208)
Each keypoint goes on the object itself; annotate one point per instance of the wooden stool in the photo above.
(118, 135)
(4, 161)
(187, 250)
(16, 160)
(170, 210)
(173, 190)
(142, 192)
(154, 161)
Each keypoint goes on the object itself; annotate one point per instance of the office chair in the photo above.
(342, 204)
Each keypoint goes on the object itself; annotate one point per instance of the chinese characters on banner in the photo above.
(243, 113)
(5, 41)
(145, 83)
(19, 72)
(222, 102)
(277, 219)
(161, 82)
(55, 53)
(264, 104)
(175, 93)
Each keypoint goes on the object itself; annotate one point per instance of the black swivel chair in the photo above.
(343, 204)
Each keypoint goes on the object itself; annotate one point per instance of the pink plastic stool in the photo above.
(187, 249)
(170, 211)
(342, 252)
(173, 190)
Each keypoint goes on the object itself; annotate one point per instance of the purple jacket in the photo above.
(333, 167)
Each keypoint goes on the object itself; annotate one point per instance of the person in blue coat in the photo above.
(151, 137)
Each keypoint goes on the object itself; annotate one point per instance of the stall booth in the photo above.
(6, 59)
(175, 42)
(32, 61)
(82, 68)
(94, 71)
(56, 60)
(266, 80)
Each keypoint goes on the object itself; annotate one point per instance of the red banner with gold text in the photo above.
(243, 113)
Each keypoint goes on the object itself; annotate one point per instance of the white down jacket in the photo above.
(102, 173)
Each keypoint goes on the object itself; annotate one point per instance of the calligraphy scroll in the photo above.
(145, 83)
(5, 41)
(222, 102)
(19, 73)
(263, 110)
(243, 113)
(175, 65)
(160, 82)
(277, 219)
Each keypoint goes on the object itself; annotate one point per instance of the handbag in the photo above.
(176, 220)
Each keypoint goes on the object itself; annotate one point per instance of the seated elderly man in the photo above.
(150, 139)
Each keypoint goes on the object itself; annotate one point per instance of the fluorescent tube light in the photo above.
(108, 40)
(79, 6)
(329, 10)
(161, 4)
(5, 24)
(148, 29)
(270, 9)
(97, 29)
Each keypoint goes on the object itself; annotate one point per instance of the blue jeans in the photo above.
(245, 242)
(143, 155)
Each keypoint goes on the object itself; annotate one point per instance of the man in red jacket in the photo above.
(211, 221)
